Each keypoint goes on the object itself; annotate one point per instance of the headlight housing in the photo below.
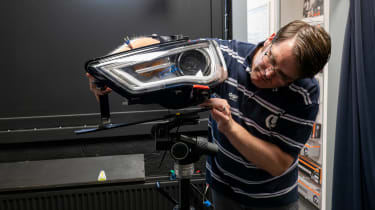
(174, 74)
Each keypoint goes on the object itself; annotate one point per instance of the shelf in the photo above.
(309, 190)
(312, 150)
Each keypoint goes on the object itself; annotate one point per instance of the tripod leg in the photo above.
(185, 189)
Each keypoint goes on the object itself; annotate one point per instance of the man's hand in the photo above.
(140, 42)
(263, 154)
(95, 89)
(220, 112)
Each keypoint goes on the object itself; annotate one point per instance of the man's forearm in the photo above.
(264, 155)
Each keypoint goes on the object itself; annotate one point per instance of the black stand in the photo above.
(185, 151)
(184, 186)
(184, 194)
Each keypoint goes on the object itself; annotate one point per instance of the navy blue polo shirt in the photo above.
(282, 116)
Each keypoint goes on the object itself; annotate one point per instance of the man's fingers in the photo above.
(219, 116)
(106, 91)
(97, 97)
(94, 88)
(221, 106)
(216, 103)
(98, 91)
(90, 76)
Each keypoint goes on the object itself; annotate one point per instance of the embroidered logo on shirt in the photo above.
(233, 97)
(271, 121)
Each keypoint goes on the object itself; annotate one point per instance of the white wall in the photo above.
(288, 10)
(239, 20)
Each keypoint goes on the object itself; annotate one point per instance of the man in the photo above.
(262, 116)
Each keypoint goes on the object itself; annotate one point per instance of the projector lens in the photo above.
(193, 62)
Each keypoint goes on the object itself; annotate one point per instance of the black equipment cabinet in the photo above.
(45, 95)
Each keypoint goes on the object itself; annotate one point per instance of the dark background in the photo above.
(45, 94)
(46, 43)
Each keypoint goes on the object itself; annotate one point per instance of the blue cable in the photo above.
(207, 203)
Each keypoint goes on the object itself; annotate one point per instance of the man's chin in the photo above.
(261, 83)
(258, 82)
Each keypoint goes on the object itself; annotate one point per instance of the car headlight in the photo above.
(166, 71)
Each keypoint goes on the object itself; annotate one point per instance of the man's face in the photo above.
(274, 65)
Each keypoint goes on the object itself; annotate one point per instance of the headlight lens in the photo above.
(193, 62)
(162, 66)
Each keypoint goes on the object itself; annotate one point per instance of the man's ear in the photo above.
(269, 39)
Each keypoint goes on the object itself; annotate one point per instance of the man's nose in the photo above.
(268, 72)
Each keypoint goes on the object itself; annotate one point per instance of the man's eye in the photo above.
(272, 61)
